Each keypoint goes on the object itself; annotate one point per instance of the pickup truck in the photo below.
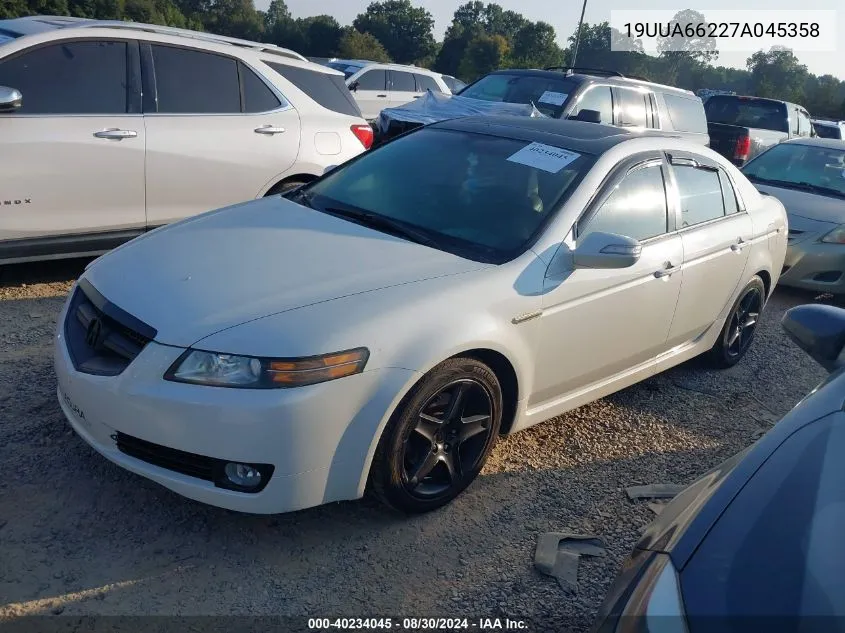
(742, 127)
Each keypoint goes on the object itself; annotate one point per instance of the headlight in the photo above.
(246, 372)
(836, 236)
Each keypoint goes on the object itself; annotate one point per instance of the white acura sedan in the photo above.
(382, 326)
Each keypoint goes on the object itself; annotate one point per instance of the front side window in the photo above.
(373, 80)
(790, 165)
(632, 111)
(84, 77)
(637, 207)
(701, 194)
(599, 99)
(484, 198)
(402, 82)
(195, 82)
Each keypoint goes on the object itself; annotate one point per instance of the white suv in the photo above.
(378, 86)
(110, 129)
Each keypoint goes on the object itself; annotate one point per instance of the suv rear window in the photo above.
(747, 112)
(686, 113)
(329, 91)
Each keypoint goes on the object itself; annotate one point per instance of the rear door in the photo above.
(632, 108)
(716, 234)
(214, 140)
(372, 94)
(72, 157)
(403, 88)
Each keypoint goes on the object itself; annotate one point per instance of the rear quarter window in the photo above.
(327, 90)
(686, 113)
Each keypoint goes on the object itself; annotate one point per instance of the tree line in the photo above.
(482, 37)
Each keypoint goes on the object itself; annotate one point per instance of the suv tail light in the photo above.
(365, 134)
(743, 148)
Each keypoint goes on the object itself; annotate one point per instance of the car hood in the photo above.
(218, 270)
(808, 205)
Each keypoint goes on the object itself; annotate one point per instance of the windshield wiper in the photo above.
(820, 189)
(385, 224)
(801, 186)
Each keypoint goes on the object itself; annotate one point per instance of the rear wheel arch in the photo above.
(288, 183)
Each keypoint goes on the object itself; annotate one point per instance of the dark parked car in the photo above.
(742, 127)
(757, 544)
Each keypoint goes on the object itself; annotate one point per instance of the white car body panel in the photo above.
(269, 278)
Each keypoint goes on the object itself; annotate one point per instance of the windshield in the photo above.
(548, 94)
(478, 196)
(828, 131)
(798, 166)
(745, 112)
(346, 69)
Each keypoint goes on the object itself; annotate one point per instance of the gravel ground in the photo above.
(80, 536)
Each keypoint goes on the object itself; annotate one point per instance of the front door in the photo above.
(598, 323)
(216, 140)
(72, 157)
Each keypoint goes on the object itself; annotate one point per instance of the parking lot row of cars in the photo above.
(378, 319)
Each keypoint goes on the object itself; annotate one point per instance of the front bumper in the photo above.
(814, 265)
(319, 439)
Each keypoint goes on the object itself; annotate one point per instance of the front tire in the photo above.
(738, 332)
(439, 438)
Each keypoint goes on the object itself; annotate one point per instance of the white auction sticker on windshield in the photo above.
(553, 98)
(545, 157)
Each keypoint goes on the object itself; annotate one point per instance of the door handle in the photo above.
(269, 129)
(737, 248)
(666, 271)
(116, 134)
(417, 96)
(382, 96)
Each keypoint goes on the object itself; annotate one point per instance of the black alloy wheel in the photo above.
(740, 326)
(439, 438)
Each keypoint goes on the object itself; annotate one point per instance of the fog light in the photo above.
(242, 475)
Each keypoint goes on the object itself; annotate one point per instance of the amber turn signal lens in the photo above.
(309, 371)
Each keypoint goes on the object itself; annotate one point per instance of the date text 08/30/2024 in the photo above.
(418, 624)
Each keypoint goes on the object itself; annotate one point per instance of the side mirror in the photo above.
(353, 87)
(820, 331)
(606, 250)
(10, 99)
(588, 116)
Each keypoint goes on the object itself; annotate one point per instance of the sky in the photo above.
(564, 14)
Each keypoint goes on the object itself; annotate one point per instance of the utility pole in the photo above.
(578, 35)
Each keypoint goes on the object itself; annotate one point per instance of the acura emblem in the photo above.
(92, 334)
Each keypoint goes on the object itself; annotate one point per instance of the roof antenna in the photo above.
(578, 35)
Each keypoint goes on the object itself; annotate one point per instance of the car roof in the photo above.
(35, 24)
(577, 136)
(585, 76)
(827, 143)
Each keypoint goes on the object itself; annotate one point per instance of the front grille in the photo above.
(102, 339)
(189, 464)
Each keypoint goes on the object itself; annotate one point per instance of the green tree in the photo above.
(777, 74)
(357, 45)
(535, 46)
(485, 53)
(13, 9)
(403, 29)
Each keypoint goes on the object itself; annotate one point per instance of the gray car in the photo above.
(808, 177)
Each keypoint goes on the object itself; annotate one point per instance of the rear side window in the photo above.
(71, 78)
(257, 96)
(701, 194)
(686, 113)
(195, 82)
(637, 207)
(329, 91)
(424, 82)
(373, 80)
(402, 82)
(728, 194)
(631, 110)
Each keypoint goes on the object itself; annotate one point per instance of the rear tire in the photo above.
(439, 438)
(738, 332)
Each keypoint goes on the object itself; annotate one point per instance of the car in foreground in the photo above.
(756, 543)
(829, 129)
(109, 129)
(808, 177)
(742, 127)
(383, 325)
(595, 96)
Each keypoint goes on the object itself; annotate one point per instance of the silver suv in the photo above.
(109, 129)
